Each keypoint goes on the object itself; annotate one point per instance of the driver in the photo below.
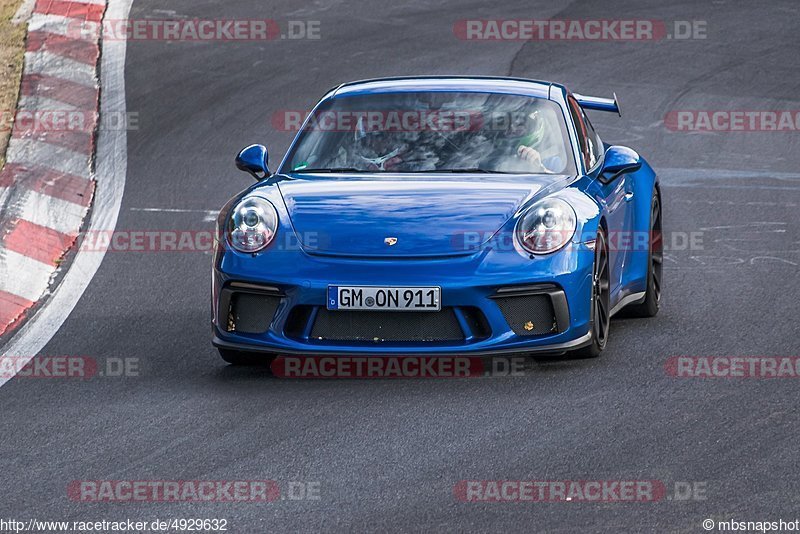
(377, 148)
(528, 134)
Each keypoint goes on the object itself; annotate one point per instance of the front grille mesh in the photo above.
(251, 313)
(529, 315)
(387, 326)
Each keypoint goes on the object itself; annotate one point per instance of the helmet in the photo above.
(531, 129)
(374, 145)
(374, 140)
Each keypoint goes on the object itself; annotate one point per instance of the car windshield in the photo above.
(412, 132)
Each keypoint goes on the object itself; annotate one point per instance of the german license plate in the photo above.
(384, 298)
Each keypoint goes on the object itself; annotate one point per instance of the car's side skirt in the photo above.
(633, 298)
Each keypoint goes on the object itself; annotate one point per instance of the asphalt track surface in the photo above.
(387, 453)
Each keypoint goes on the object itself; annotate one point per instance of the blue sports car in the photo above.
(438, 216)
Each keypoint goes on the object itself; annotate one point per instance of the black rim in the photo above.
(657, 250)
(600, 290)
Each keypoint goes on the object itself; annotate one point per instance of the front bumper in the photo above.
(477, 292)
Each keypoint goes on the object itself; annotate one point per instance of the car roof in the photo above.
(478, 84)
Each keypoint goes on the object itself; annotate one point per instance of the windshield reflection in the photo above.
(434, 132)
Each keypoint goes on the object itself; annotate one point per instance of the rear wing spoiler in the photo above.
(598, 103)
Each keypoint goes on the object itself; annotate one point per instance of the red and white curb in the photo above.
(110, 171)
(46, 186)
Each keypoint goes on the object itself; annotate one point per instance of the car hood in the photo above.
(403, 216)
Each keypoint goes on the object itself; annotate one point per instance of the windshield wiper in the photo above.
(331, 169)
(473, 170)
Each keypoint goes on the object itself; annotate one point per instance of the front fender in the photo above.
(645, 185)
(587, 210)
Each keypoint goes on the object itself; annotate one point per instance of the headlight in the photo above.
(252, 224)
(547, 226)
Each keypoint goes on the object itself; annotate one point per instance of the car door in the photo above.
(616, 195)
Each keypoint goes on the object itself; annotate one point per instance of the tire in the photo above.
(235, 357)
(655, 259)
(600, 301)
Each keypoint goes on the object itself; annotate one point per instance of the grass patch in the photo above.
(12, 52)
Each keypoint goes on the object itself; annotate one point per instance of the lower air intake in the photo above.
(387, 326)
(529, 315)
(251, 313)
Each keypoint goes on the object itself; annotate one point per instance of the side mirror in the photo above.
(619, 160)
(255, 160)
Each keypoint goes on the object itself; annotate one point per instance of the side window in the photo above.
(593, 142)
(580, 126)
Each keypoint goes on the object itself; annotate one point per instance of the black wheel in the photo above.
(655, 260)
(235, 357)
(601, 289)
